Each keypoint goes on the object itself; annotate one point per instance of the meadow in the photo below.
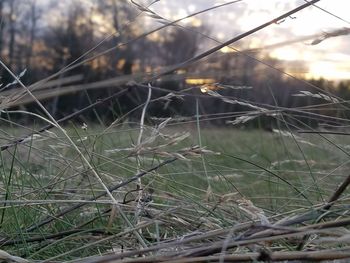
(209, 155)
(217, 178)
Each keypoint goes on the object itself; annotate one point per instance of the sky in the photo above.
(329, 59)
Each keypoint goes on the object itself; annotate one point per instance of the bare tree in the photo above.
(2, 24)
(179, 46)
(12, 32)
(33, 18)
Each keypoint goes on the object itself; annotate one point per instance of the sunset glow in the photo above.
(234, 19)
(199, 81)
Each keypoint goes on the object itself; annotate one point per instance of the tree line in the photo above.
(44, 38)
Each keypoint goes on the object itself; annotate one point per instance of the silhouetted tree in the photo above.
(12, 32)
(33, 18)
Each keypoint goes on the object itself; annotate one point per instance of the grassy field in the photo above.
(147, 189)
(238, 175)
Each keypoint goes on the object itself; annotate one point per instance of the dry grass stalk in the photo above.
(234, 101)
(335, 33)
(318, 95)
(10, 258)
(139, 206)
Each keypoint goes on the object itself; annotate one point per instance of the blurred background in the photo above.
(95, 47)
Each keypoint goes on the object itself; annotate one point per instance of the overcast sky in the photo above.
(330, 58)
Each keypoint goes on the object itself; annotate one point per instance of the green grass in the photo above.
(278, 173)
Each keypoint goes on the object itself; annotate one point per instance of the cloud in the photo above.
(231, 20)
(237, 18)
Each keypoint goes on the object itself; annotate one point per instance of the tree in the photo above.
(12, 32)
(33, 18)
(179, 45)
(2, 24)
